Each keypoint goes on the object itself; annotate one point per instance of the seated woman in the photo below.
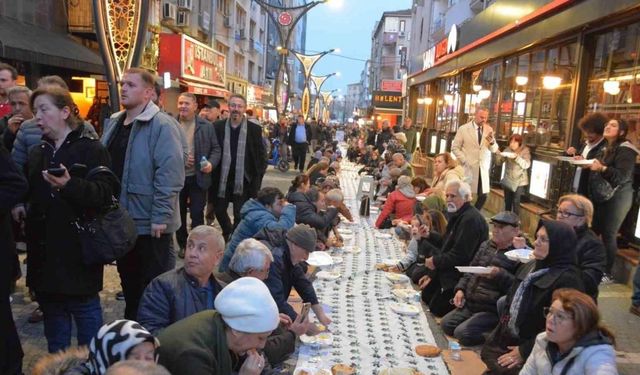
(511, 342)
(400, 203)
(574, 341)
(445, 169)
(320, 170)
(426, 229)
(300, 184)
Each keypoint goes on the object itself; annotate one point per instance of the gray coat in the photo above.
(153, 173)
(516, 169)
(205, 143)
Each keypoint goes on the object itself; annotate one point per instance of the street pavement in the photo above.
(613, 302)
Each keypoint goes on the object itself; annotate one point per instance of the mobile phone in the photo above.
(420, 219)
(305, 311)
(58, 172)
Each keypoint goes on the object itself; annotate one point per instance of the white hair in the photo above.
(463, 188)
(250, 254)
(206, 231)
(334, 195)
(397, 155)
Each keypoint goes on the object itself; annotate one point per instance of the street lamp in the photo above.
(308, 61)
(285, 19)
(318, 81)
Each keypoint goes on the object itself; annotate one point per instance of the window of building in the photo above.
(403, 24)
(223, 7)
(447, 103)
(241, 18)
(223, 49)
(238, 65)
(250, 76)
(252, 29)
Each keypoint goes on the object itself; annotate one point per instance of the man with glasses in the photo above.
(244, 161)
(577, 211)
(184, 291)
(476, 295)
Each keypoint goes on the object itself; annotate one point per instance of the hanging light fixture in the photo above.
(420, 101)
(484, 94)
(477, 88)
(522, 80)
(551, 82)
(428, 100)
(520, 96)
(611, 87)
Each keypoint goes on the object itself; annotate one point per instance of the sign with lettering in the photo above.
(185, 57)
(441, 49)
(391, 85)
(387, 99)
(429, 58)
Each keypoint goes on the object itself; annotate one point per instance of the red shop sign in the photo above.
(188, 58)
(441, 48)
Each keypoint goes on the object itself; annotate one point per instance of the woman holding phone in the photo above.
(424, 239)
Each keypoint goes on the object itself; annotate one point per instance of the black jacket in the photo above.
(596, 152)
(466, 230)
(283, 275)
(620, 162)
(255, 160)
(481, 293)
(54, 256)
(591, 259)
(292, 134)
(382, 138)
(205, 143)
(307, 213)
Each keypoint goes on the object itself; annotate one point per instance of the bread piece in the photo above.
(428, 350)
(342, 369)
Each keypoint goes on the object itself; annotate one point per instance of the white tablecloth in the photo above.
(367, 334)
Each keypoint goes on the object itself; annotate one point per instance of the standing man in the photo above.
(20, 112)
(211, 111)
(8, 76)
(244, 161)
(592, 127)
(299, 137)
(204, 156)
(145, 149)
(315, 129)
(383, 137)
(472, 146)
(412, 140)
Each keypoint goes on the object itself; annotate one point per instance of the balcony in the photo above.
(388, 61)
(389, 38)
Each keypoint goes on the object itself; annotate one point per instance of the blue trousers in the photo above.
(61, 310)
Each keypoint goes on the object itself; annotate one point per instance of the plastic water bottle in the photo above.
(203, 162)
(455, 351)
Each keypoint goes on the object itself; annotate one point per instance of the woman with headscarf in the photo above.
(400, 203)
(511, 342)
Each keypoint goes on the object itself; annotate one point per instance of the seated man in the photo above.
(290, 249)
(225, 340)
(466, 230)
(400, 162)
(253, 259)
(476, 295)
(268, 210)
(310, 207)
(184, 291)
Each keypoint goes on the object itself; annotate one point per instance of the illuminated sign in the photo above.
(540, 173)
(441, 49)
(452, 39)
(429, 58)
(387, 99)
(391, 85)
(185, 57)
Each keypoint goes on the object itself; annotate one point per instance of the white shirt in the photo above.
(587, 148)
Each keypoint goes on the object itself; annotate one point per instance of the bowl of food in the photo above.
(342, 369)
(328, 275)
(397, 277)
(404, 308)
(520, 255)
(320, 259)
(322, 339)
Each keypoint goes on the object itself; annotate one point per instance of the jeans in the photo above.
(221, 206)
(469, 327)
(512, 199)
(635, 297)
(149, 258)
(608, 217)
(299, 155)
(195, 198)
(58, 312)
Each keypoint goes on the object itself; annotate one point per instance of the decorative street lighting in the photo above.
(318, 81)
(308, 61)
(285, 19)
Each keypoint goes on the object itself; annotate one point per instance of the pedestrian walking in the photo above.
(299, 136)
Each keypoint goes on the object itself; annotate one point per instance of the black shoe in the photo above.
(120, 296)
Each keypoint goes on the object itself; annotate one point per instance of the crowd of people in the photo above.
(226, 309)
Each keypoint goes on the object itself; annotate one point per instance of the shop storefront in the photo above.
(198, 69)
(387, 105)
(537, 72)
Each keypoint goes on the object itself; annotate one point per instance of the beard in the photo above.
(451, 208)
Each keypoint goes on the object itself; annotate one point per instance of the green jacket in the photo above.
(196, 345)
(410, 145)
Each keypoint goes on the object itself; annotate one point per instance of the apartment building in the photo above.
(390, 47)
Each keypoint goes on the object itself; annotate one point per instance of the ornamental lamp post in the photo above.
(308, 62)
(318, 81)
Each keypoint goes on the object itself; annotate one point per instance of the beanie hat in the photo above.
(246, 305)
(303, 236)
(405, 187)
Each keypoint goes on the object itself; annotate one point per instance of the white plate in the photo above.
(406, 294)
(582, 162)
(520, 255)
(327, 275)
(337, 260)
(397, 277)
(420, 198)
(508, 154)
(471, 269)
(344, 231)
(565, 158)
(352, 249)
(319, 259)
(384, 236)
(404, 308)
(390, 262)
(322, 339)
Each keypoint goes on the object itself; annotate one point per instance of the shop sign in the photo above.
(441, 49)
(429, 58)
(254, 94)
(387, 99)
(391, 85)
(185, 57)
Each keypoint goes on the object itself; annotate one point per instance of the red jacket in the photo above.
(398, 204)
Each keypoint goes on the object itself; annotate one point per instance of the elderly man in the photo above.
(400, 162)
(466, 230)
(290, 250)
(268, 210)
(476, 295)
(383, 138)
(187, 290)
(226, 340)
(253, 259)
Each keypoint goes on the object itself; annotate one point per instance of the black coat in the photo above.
(292, 134)
(591, 259)
(466, 230)
(596, 152)
(307, 213)
(54, 258)
(255, 160)
(382, 138)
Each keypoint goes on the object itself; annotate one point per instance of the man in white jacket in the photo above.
(472, 146)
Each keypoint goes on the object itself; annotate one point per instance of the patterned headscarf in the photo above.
(113, 343)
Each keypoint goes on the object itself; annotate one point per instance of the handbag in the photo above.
(600, 190)
(509, 184)
(107, 235)
(365, 205)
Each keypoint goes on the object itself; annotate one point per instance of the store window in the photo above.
(485, 93)
(614, 80)
(447, 104)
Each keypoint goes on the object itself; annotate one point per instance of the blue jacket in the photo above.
(170, 297)
(283, 275)
(153, 173)
(256, 217)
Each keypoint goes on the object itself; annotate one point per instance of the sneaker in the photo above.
(120, 296)
(635, 309)
(36, 316)
(607, 279)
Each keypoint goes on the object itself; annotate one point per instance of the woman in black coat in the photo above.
(616, 167)
(65, 287)
(511, 342)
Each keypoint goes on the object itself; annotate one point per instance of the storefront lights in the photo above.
(420, 101)
(551, 82)
(522, 80)
(611, 87)
(477, 88)
(520, 96)
(448, 98)
(484, 94)
(428, 100)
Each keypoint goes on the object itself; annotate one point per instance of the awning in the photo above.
(23, 42)
(202, 89)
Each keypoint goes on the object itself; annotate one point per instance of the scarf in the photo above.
(113, 342)
(226, 159)
(518, 299)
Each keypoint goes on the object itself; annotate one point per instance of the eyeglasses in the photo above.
(558, 317)
(566, 214)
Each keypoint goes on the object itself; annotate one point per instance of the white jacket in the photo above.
(599, 358)
(474, 157)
